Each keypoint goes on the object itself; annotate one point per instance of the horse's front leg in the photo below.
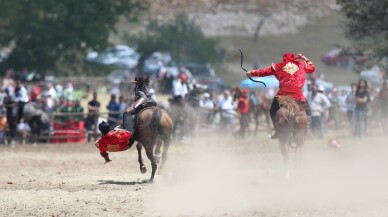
(149, 151)
(143, 169)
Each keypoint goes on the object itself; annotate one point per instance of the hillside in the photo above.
(241, 17)
(311, 27)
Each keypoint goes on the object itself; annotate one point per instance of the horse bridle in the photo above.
(241, 61)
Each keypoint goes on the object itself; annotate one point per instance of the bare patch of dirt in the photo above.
(215, 175)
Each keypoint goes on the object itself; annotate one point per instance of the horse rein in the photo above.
(241, 62)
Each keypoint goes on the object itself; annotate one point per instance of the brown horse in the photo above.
(291, 124)
(154, 128)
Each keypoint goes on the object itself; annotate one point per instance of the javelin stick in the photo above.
(242, 59)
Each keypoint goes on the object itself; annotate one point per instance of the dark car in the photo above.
(339, 57)
(201, 70)
(204, 74)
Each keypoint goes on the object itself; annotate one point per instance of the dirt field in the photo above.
(216, 175)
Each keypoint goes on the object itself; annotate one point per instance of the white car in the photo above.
(120, 55)
(3, 56)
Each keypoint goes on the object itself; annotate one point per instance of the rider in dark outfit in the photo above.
(141, 100)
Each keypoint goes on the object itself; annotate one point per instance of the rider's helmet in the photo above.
(104, 128)
(141, 84)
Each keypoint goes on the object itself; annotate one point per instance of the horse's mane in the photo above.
(290, 104)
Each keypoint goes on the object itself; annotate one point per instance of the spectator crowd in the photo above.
(43, 108)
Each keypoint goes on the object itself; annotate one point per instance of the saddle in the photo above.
(144, 106)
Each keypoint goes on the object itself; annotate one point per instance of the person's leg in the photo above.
(350, 116)
(353, 124)
(128, 122)
(272, 113)
(20, 112)
(314, 124)
(362, 120)
(246, 124)
(321, 126)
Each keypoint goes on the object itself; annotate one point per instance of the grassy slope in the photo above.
(312, 40)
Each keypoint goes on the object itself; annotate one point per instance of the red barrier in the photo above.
(68, 132)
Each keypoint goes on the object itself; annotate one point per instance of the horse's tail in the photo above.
(155, 123)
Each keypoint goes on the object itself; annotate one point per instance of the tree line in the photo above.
(54, 36)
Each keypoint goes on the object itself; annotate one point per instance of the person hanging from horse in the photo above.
(112, 140)
(291, 73)
(122, 139)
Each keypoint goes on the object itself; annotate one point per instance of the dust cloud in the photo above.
(220, 176)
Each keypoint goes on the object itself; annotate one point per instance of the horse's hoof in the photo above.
(143, 169)
(150, 181)
(158, 157)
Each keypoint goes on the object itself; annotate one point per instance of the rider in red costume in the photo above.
(291, 73)
(112, 140)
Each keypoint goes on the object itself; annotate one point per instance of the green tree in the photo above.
(181, 36)
(55, 35)
(367, 25)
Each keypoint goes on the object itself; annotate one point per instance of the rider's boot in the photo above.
(274, 131)
(129, 124)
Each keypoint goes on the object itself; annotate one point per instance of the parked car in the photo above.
(153, 63)
(205, 74)
(338, 57)
(3, 56)
(118, 55)
(201, 70)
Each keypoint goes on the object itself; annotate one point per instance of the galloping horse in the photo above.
(291, 123)
(154, 127)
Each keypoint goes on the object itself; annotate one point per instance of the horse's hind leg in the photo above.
(149, 151)
(143, 169)
(166, 146)
(158, 154)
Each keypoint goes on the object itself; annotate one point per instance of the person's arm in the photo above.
(309, 66)
(262, 72)
(102, 146)
(363, 100)
(93, 108)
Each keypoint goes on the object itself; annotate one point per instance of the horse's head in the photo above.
(141, 84)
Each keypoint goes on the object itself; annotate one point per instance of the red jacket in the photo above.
(115, 140)
(243, 105)
(291, 76)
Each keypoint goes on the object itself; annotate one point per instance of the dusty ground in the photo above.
(214, 175)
